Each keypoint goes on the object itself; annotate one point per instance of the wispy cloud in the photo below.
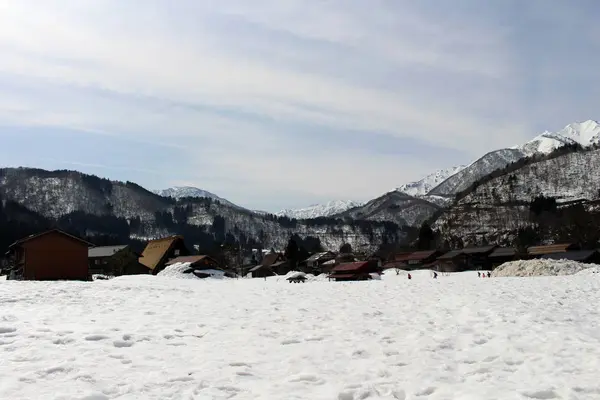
(280, 103)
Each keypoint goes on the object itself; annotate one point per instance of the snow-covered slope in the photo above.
(425, 185)
(500, 206)
(394, 206)
(142, 214)
(584, 133)
(180, 192)
(319, 210)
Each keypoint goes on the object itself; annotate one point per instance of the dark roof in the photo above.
(105, 251)
(318, 256)
(450, 255)
(260, 267)
(478, 250)
(549, 249)
(190, 259)
(38, 235)
(504, 252)
(421, 255)
(577, 255)
(395, 264)
(351, 267)
(270, 259)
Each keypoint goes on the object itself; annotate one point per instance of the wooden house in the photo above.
(115, 261)
(277, 263)
(452, 261)
(355, 271)
(477, 258)
(539, 251)
(50, 255)
(503, 254)
(582, 256)
(159, 252)
(314, 264)
(418, 259)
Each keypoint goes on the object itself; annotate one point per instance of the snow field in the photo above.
(455, 337)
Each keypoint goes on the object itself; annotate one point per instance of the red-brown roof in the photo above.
(38, 235)
(271, 259)
(343, 276)
(351, 267)
(402, 256)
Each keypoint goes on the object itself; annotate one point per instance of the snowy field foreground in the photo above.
(457, 337)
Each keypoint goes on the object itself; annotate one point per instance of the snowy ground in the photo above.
(457, 337)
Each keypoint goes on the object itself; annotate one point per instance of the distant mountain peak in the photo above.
(319, 210)
(180, 192)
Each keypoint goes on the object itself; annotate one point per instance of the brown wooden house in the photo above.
(539, 251)
(418, 259)
(502, 255)
(582, 256)
(51, 255)
(452, 261)
(159, 252)
(115, 261)
(314, 264)
(355, 271)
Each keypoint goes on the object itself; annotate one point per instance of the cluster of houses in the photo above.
(57, 255)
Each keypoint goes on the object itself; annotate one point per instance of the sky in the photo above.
(278, 104)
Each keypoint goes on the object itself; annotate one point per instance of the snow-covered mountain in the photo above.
(319, 210)
(500, 206)
(424, 186)
(584, 133)
(181, 192)
(94, 206)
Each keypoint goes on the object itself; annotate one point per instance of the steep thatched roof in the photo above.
(156, 251)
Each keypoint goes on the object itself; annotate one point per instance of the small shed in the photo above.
(539, 251)
(582, 256)
(355, 271)
(159, 252)
(50, 255)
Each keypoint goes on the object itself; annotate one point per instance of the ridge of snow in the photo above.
(422, 187)
(319, 210)
(179, 192)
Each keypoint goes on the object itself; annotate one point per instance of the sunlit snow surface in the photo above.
(455, 337)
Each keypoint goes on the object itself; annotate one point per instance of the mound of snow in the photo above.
(184, 271)
(540, 268)
(590, 271)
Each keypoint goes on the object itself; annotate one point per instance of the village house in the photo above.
(50, 255)
(452, 261)
(582, 256)
(503, 254)
(355, 271)
(314, 264)
(159, 252)
(416, 260)
(200, 263)
(539, 251)
(115, 261)
(477, 258)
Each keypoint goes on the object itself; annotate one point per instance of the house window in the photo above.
(176, 252)
(97, 261)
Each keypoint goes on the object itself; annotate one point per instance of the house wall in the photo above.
(55, 256)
